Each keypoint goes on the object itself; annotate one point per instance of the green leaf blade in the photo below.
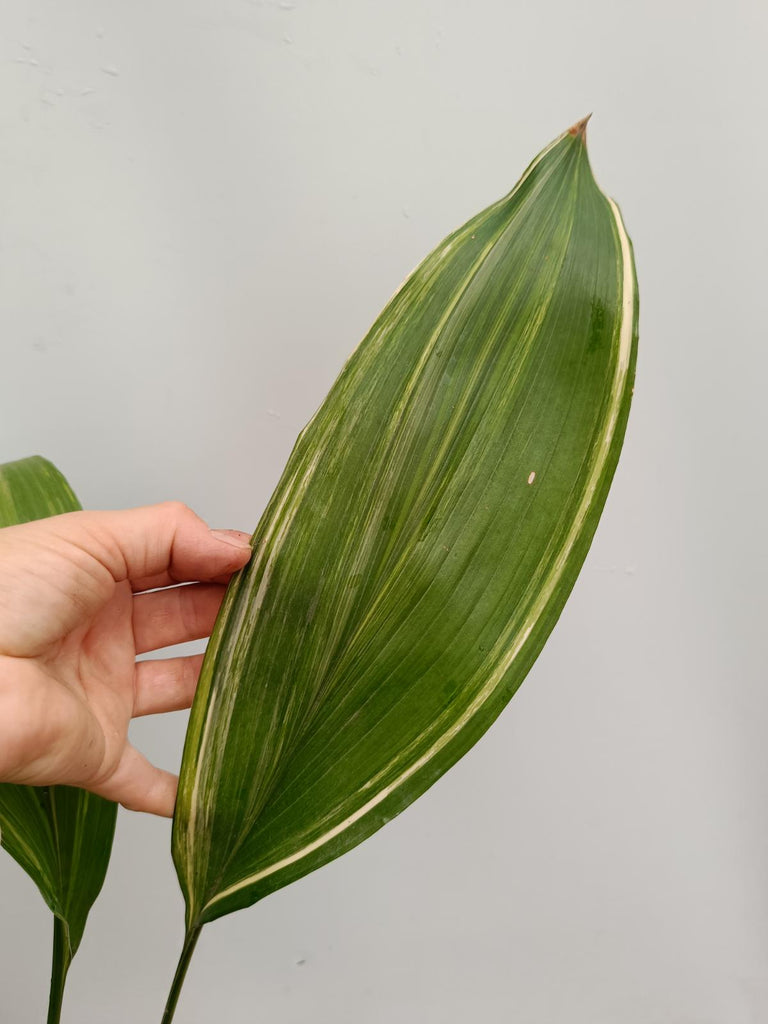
(61, 836)
(421, 543)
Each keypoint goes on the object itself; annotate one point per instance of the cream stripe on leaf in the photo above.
(61, 836)
(428, 528)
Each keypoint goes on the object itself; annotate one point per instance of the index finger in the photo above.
(156, 545)
(168, 579)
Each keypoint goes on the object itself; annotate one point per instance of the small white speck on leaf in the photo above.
(532, 476)
(110, 69)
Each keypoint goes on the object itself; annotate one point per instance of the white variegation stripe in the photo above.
(416, 375)
(445, 250)
(269, 551)
(19, 841)
(410, 388)
(505, 661)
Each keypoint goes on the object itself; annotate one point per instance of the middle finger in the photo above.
(175, 615)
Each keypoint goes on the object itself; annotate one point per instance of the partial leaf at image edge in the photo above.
(61, 836)
(419, 548)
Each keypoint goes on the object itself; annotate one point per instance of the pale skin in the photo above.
(73, 617)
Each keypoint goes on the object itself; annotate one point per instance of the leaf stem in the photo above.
(59, 966)
(190, 941)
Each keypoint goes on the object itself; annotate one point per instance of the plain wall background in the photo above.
(203, 206)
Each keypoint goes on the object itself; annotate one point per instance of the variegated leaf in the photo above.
(421, 544)
(61, 836)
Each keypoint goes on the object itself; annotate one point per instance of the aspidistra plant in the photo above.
(418, 550)
(60, 835)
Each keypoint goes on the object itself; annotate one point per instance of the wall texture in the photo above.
(203, 205)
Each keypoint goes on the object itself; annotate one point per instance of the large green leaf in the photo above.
(61, 836)
(422, 541)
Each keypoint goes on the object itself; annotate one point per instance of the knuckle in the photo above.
(180, 516)
(177, 509)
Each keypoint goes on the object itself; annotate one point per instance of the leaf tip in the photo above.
(579, 130)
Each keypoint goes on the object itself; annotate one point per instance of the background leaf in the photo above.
(60, 835)
(419, 548)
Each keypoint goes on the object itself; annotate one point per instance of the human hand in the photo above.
(72, 620)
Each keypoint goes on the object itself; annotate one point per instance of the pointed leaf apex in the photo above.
(579, 130)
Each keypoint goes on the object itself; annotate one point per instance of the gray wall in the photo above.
(203, 205)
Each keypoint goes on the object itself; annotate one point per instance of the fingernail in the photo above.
(236, 538)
